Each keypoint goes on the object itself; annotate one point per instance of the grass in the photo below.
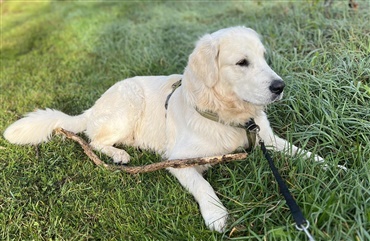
(64, 55)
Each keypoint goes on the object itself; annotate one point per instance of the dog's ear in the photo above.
(203, 62)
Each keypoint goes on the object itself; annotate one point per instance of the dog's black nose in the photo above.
(277, 86)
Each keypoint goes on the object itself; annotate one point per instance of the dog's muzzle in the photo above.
(277, 88)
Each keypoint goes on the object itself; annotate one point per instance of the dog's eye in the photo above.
(243, 62)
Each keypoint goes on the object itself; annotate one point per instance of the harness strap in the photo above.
(175, 85)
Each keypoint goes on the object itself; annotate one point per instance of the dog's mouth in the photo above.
(272, 98)
(267, 102)
(276, 98)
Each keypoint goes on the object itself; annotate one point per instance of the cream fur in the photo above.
(132, 112)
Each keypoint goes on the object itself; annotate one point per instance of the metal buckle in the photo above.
(251, 126)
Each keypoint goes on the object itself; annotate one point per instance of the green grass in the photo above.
(64, 55)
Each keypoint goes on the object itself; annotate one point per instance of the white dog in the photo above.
(227, 76)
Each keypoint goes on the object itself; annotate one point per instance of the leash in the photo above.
(301, 223)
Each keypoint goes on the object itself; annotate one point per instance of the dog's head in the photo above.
(233, 58)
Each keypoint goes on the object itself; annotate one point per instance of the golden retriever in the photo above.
(226, 75)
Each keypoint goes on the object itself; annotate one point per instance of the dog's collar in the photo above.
(250, 127)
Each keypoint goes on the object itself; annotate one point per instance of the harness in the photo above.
(250, 127)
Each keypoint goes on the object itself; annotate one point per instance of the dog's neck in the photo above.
(216, 102)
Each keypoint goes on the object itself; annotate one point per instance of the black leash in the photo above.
(294, 208)
(301, 223)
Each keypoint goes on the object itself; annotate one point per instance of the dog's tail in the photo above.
(38, 126)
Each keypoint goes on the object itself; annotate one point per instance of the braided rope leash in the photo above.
(301, 223)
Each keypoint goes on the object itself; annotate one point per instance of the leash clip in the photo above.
(304, 228)
(252, 127)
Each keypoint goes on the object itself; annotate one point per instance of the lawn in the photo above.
(65, 54)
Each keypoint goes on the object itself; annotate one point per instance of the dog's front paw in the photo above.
(121, 157)
(215, 218)
(326, 166)
(318, 158)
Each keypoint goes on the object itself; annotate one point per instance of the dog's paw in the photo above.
(216, 218)
(318, 158)
(326, 166)
(121, 157)
(342, 167)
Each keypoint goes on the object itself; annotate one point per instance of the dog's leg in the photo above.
(213, 212)
(108, 135)
(114, 117)
(280, 144)
(276, 143)
(119, 156)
